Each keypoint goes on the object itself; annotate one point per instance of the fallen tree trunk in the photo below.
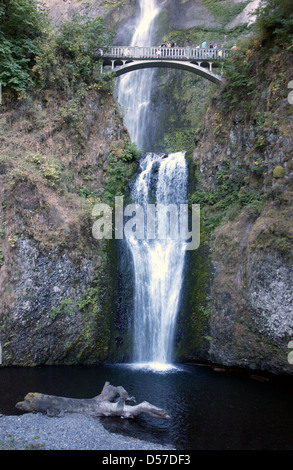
(111, 402)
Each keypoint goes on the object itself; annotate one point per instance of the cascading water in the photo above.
(158, 262)
(134, 89)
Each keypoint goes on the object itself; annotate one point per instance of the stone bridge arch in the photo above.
(198, 60)
(202, 68)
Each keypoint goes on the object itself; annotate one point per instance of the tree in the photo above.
(275, 21)
(69, 56)
(22, 24)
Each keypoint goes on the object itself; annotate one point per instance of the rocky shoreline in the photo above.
(72, 431)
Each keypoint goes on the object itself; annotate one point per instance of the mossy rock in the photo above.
(279, 172)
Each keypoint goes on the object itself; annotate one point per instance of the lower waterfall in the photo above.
(158, 260)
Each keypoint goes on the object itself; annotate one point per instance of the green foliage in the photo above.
(228, 198)
(239, 76)
(229, 178)
(1, 256)
(259, 167)
(31, 52)
(22, 24)
(51, 171)
(89, 194)
(72, 115)
(114, 3)
(275, 22)
(198, 34)
(69, 57)
(130, 152)
(224, 12)
(90, 300)
(119, 173)
(183, 99)
(116, 179)
(273, 34)
(49, 167)
(181, 139)
(279, 172)
(66, 307)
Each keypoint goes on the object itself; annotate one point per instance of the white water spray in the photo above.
(134, 89)
(158, 264)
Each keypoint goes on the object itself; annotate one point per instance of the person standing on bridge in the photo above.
(215, 51)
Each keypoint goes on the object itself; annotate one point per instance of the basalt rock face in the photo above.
(115, 13)
(121, 14)
(190, 14)
(56, 285)
(248, 148)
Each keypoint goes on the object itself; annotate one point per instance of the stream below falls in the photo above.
(209, 410)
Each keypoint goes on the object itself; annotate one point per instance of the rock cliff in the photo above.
(243, 160)
(56, 287)
(178, 15)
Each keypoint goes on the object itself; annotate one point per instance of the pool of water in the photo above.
(209, 410)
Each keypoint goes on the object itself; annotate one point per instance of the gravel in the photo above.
(73, 431)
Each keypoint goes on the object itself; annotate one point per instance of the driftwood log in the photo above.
(111, 402)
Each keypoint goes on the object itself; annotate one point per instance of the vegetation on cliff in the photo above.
(69, 57)
(254, 96)
(33, 53)
(63, 149)
(22, 26)
(243, 165)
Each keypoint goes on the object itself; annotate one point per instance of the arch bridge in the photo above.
(200, 61)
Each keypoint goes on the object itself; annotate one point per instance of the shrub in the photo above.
(279, 172)
(275, 22)
(130, 152)
(22, 24)
(51, 172)
(273, 33)
(70, 56)
(239, 77)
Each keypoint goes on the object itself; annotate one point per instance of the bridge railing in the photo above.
(159, 52)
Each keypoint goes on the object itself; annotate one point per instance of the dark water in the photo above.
(209, 410)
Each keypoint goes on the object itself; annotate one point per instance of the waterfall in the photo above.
(158, 263)
(134, 89)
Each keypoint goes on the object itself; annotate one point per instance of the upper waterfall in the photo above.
(134, 89)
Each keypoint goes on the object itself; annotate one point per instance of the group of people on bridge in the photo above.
(200, 51)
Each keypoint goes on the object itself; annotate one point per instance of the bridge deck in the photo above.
(165, 53)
